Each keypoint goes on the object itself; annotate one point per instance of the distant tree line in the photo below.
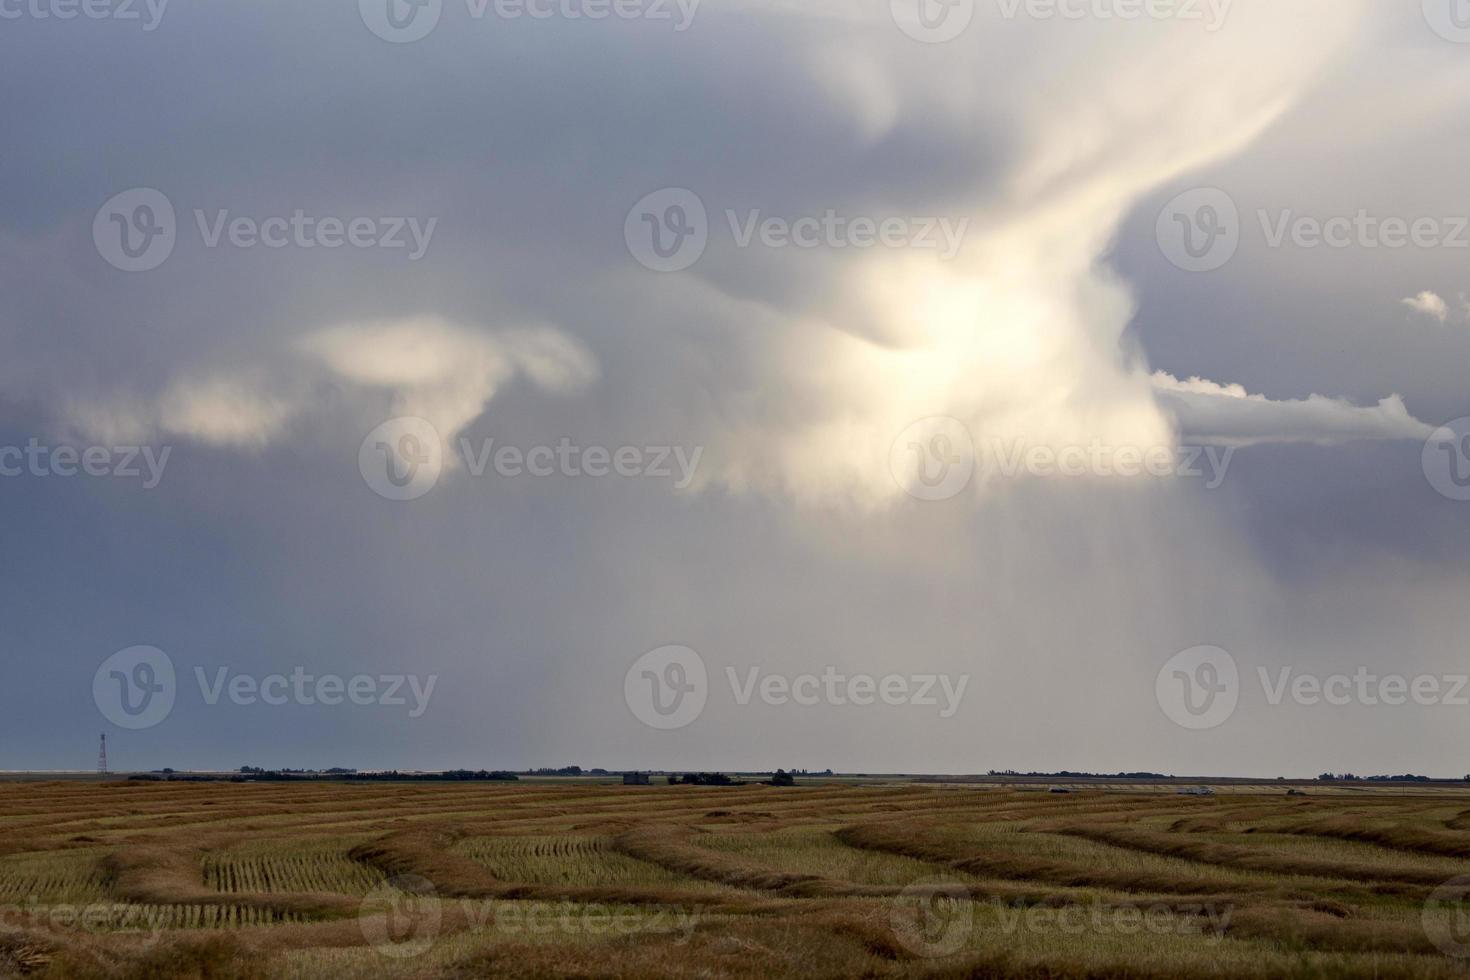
(704, 779)
(1064, 774)
(567, 771)
(1347, 777)
(255, 774)
(451, 776)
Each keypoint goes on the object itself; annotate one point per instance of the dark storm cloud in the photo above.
(264, 549)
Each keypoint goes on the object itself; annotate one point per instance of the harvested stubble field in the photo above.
(220, 880)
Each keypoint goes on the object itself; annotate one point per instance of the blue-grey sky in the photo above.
(465, 224)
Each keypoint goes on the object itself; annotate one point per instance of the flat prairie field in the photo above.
(829, 879)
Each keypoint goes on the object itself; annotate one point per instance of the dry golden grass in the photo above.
(220, 880)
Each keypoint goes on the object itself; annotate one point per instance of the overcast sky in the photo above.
(1055, 384)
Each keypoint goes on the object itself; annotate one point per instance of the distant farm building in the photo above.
(635, 779)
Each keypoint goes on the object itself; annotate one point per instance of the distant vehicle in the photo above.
(1197, 791)
(1059, 789)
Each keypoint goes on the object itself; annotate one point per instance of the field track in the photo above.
(832, 879)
